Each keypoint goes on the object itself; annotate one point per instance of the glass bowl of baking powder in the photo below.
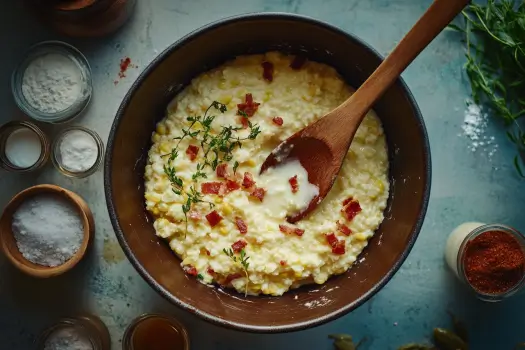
(52, 84)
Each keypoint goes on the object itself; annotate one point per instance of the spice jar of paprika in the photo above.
(489, 259)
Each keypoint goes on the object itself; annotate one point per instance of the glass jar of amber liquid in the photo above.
(83, 18)
(159, 332)
(85, 332)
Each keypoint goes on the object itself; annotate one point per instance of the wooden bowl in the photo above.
(8, 242)
(145, 104)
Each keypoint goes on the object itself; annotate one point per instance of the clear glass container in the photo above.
(57, 159)
(90, 327)
(7, 130)
(147, 329)
(455, 255)
(68, 51)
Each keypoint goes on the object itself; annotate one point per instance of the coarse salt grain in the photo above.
(78, 151)
(48, 230)
(474, 128)
(69, 338)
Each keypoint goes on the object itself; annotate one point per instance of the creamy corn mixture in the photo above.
(238, 237)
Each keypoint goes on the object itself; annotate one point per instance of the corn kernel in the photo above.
(380, 185)
(155, 137)
(161, 129)
(218, 200)
(223, 231)
(250, 162)
(152, 197)
(234, 83)
(165, 147)
(267, 96)
(225, 99)
(163, 207)
(360, 236)
(155, 211)
(226, 209)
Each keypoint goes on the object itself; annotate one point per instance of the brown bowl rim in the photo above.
(108, 189)
(46, 271)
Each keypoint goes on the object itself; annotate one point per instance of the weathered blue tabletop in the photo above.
(466, 186)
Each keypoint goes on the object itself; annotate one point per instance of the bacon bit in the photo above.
(211, 187)
(244, 122)
(291, 230)
(332, 239)
(278, 121)
(248, 107)
(298, 62)
(191, 270)
(247, 181)
(258, 193)
(192, 152)
(241, 225)
(344, 229)
(232, 185)
(221, 170)
(282, 262)
(294, 184)
(207, 252)
(210, 271)
(267, 71)
(239, 245)
(351, 209)
(231, 277)
(213, 218)
(348, 200)
(194, 215)
(339, 248)
(124, 65)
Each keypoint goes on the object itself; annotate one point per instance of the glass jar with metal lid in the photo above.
(86, 332)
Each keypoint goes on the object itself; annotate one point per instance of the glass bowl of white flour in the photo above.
(52, 84)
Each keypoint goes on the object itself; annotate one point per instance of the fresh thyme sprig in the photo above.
(217, 149)
(495, 41)
(242, 260)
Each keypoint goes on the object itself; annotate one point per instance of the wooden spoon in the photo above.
(322, 146)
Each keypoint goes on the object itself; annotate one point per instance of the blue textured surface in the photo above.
(466, 186)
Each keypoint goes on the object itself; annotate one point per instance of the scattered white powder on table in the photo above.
(23, 148)
(68, 338)
(52, 83)
(474, 128)
(78, 151)
(48, 229)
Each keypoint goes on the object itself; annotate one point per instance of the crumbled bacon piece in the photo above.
(344, 229)
(232, 185)
(348, 200)
(298, 62)
(247, 181)
(210, 271)
(213, 218)
(294, 184)
(190, 270)
(282, 262)
(291, 230)
(248, 107)
(244, 121)
(267, 71)
(221, 170)
(211, 187)
(192, 152)
(351, 209)
(258, 193)
(194, 215)
(338, 247)
(278, 121)
(241, 225)
(231, 277)
(239, 245)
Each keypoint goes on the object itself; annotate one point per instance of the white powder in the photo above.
(68, 339)
(78, 151)
(52, 83)
(474, 128)
(48, 230)
(23, 148)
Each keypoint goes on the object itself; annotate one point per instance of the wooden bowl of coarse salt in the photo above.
(45, 230)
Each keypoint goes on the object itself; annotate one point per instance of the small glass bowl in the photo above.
(89, 326)
(128, 340)
(41, 49)
(57, 159)
(461, 265)
(10, 127)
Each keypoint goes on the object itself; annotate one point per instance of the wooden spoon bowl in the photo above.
(8, 241)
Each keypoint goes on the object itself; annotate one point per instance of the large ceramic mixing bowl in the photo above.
(145, 104)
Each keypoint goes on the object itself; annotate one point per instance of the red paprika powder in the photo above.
(493, 262)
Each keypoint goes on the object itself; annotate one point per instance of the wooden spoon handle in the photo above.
(435, 19)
